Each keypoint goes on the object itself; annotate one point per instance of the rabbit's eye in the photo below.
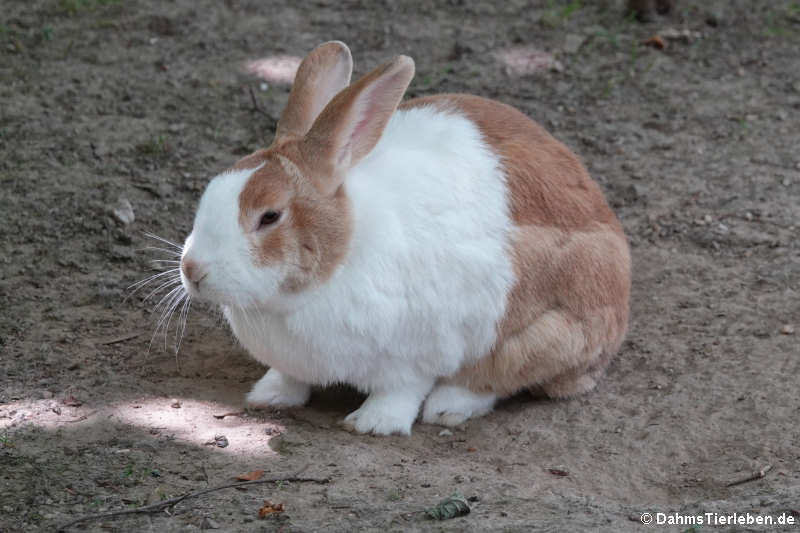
(268, 218)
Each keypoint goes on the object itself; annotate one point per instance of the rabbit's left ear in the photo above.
(323, 73)
(352, 123)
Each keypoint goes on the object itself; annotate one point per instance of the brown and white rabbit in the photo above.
(446, 251)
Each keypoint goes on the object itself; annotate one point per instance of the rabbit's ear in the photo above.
(324, 72)
(352, 123)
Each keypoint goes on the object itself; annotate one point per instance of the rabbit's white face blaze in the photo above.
(217, 262)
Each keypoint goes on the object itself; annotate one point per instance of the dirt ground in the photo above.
(695, 144)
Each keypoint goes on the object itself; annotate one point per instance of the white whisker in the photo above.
(169, 298)
(171, 282)
(162, 239)
(181, 327)
(172, 295)
(171, 312)
(148, 279)
(163, 304)
(175, 253)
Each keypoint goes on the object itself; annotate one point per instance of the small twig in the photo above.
(752, 477)
(223, 415)
(116, 340)
(174, 501)
(256, 105)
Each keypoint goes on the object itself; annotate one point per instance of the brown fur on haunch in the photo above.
(568, 311)
(326, 128)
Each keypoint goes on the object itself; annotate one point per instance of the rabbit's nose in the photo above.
(192, 270)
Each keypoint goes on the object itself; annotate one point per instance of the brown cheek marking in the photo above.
(323, 227)
(272, 249)
(568, 310)
(315, 237)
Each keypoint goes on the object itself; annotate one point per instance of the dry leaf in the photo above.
(656, 42)
(250, 476)
(268, 508)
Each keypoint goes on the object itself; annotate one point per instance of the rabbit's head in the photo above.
(279, 222)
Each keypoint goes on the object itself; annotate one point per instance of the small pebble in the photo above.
(176, 404)
(123, 212)
(445, 433)
(787, 329)
(573, 43)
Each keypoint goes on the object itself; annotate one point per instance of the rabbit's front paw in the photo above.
(384, 414)
(278, 390)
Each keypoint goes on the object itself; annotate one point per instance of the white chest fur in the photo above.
(427, 277)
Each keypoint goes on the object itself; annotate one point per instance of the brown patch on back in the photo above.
(548, 185)
(568, 310)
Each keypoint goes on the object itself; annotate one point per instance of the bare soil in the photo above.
(696, 145)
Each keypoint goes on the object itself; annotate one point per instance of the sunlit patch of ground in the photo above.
(185, 420)
(275, 69)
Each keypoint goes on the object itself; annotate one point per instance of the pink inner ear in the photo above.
(344, 154)
(360, 128)
(368, 121)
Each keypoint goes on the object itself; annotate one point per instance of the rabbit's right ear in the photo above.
(323, 73)
(352, 123)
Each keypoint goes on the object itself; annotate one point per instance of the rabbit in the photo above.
(437, 255)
